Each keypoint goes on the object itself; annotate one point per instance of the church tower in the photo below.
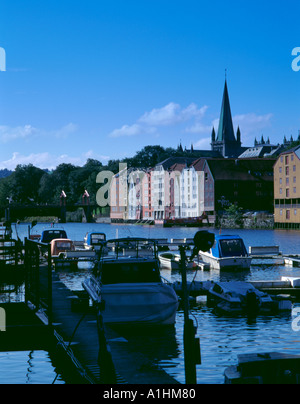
(225, 141)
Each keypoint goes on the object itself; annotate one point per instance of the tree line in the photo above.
(28, 184)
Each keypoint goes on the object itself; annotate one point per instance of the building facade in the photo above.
(246, 183)
(287, 189)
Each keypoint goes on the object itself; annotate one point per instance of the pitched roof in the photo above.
(241, 170)
(293, 149)
(198, 164)
(171, 161)
(186, 161)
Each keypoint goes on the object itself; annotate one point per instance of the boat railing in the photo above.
(128, 247)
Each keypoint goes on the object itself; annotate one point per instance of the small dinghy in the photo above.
(170, 260)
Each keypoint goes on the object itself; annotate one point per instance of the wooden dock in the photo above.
(100, 354)
(70, 310)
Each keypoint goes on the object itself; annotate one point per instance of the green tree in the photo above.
(235, 213)
(25, 183)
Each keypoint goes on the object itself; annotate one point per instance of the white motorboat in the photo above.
(228, 252)
(242, 297)
(128, 281)
(169, 260)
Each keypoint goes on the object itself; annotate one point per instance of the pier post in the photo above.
(107, 369)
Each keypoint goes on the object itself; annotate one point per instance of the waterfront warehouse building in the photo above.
(287, 189)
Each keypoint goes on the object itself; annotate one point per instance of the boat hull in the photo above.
(169, 261)
(149, 303)
(226, 262)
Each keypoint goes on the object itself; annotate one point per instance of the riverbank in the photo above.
(259, 222)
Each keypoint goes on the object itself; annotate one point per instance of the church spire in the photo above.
(225, 131)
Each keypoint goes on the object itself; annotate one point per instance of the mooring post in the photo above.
(190, 342)
(107, 369)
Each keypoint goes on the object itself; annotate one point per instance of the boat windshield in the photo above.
(97, 238)
(232, 248)
(130, 248)
(129, 272)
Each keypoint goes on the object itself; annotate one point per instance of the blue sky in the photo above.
(102, 79)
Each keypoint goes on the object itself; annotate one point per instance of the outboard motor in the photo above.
(252, 302)
(203, 240)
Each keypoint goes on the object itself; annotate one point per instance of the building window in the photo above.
(294, 180)
(292, 157)
(295, 212)
(280, 212)
(287, 192)
(281, 158)
(280, 170)
(287, 214)
(280, 181)
(294, 168)
(287, 181)
(294, 190)
(280, 190)
(287, 170)
(286, 159)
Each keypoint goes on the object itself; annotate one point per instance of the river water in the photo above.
(222, 338)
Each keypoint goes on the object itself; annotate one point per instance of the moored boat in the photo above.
(170, 260)
(61, 245)
(128, 281)
(264, 368)
(228, 252)
(54, 233)
(93, 240)
(242, 297)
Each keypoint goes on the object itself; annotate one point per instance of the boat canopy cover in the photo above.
(228, 246)
(130, 271)
(129, 260)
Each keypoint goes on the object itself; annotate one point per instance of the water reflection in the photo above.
(27, 367)
(156, 343)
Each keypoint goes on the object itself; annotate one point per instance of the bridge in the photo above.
(14, 211)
